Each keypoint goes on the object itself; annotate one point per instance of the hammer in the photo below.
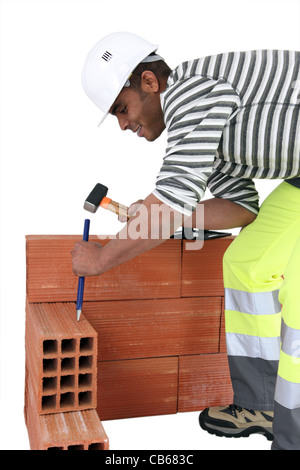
(97, 198)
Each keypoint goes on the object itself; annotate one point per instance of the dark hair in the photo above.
(159, 68)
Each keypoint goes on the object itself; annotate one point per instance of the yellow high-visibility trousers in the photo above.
(262, 314)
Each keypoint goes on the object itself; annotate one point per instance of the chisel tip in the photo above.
(78, 313)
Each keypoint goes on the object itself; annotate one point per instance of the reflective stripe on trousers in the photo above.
(263, 340)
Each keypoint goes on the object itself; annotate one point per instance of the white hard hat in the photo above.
(110, 63)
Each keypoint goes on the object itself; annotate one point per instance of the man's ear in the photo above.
(149, 82)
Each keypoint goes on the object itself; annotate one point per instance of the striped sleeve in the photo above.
(240, 190)
(196, 110)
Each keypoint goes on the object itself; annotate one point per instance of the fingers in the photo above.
(131, 211)
(122, 218)
(85, 258)
(134, 207)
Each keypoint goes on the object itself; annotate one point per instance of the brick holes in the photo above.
(92, 446)
(49, 402)
(50, 347)
(68, 364)
(85, 398)
(49, 384)
(76, 447)
(85, 363)
(67, 400)
(49, 365)
(96, 446)
(86, 344)
(68, 346)
(67, 382)
(85, 380)
(68, 374)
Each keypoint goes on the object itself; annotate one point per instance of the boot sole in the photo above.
(234, 432)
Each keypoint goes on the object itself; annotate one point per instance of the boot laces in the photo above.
(234, 408)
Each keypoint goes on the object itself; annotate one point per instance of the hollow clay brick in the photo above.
(134, 329)
(204, 380)
(154, 274)
(202, 272)
(61, 358)
(74, 430)
(137, 387)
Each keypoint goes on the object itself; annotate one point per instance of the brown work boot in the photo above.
(234, 421)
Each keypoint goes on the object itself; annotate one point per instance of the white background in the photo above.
(52, 154)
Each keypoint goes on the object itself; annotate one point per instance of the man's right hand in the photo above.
(131, 210)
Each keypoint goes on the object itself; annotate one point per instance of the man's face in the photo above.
(140, 113)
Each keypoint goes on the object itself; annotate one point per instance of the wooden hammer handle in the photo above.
(118, 209)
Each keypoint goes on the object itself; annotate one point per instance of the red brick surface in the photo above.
(154, 274)
(137, 387)
(135, 329)
(204, 381)
(202, 272)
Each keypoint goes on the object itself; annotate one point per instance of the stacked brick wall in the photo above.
(159, 320)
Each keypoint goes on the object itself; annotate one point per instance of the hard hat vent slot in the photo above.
(107, 56)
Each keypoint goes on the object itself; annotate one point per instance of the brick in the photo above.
(61, 358)
(154, 274)
(134, 329)
(74, 430)
(204, 381)
(202, 272)
(137, 387)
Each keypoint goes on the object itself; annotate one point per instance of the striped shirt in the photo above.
(230, 118)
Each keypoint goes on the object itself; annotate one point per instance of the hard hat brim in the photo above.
(103, 118)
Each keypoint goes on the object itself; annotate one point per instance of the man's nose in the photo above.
(123, 123)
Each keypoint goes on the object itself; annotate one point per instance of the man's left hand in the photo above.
(86, 258)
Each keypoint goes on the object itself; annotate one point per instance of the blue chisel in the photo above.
(81, 279)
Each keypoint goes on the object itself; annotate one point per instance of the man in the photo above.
(230, 118)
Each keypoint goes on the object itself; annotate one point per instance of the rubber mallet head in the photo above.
(94, 199)
(98, 198)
